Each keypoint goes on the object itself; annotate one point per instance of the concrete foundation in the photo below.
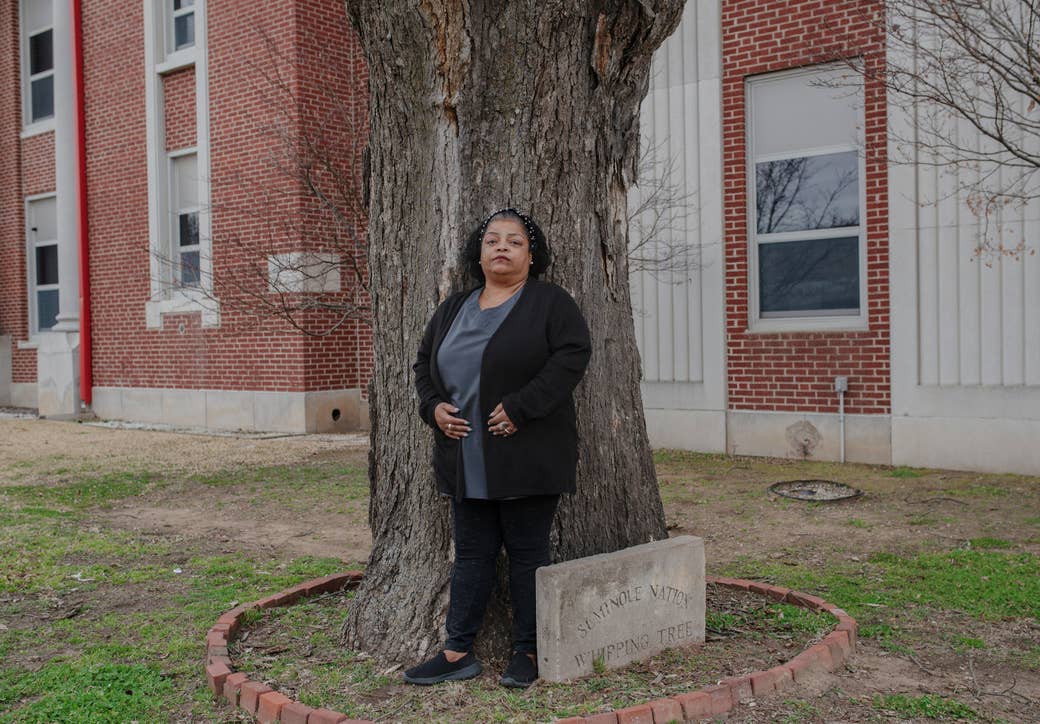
(995, 445)
(809, 436)
(57, 374)
(327, 411)
(23, 394)
(701, 430)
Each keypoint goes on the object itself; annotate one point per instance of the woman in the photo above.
(495, 373)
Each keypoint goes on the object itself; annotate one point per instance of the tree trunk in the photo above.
(474, 106)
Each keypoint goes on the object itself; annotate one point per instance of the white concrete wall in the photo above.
(965, 329)
(678, 308)
(324, 411)
(24, 394)
(809, 436)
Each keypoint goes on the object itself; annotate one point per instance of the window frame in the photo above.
(821, 320)
(164, 297)
(173, 221)
(32, 126)
(31, 244)
(172, 57)
(171, 27)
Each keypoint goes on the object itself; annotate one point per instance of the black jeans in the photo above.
(481, 527)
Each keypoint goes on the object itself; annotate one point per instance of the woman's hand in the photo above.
(499, 422)
(454, 427)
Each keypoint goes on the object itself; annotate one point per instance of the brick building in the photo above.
(188, 111)
(777, 300)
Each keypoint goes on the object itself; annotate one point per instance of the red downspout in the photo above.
(86, 381)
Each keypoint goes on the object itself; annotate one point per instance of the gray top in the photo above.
(458, 361)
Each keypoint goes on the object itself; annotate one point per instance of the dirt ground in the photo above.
(721, 499)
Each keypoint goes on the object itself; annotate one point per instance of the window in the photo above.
(806, 199)
(43, 263)
(184, 219)
(37, 61)
(181, 24)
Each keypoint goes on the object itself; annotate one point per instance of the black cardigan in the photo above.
(531, 365)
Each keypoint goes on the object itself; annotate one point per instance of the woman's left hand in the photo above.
(499, 422)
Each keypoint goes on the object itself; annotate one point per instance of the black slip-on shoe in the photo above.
(520, 673)
(439, 669)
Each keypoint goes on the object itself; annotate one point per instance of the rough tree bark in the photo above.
(475, 105)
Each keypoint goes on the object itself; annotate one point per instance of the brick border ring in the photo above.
(267, 706)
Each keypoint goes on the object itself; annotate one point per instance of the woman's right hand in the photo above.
(454, 427)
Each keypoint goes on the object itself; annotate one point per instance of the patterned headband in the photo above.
(524, 219)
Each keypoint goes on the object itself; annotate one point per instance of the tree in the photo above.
(475, 106)
(960, 70)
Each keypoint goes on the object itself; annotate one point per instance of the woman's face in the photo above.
(505, 254)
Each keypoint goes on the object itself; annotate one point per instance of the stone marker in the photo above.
(619, 607)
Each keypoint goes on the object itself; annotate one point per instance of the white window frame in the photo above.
(171, 26)
(30, 263)
(29, 126)
(166, 297)
(174, 211)
(818, 321)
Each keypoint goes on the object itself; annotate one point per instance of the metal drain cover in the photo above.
(821, 490)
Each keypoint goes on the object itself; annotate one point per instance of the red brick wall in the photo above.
(14, 306)
(333, 94)
(179, 108)
(26, 167)
(795, 372)
(38, 164)
(256, 209)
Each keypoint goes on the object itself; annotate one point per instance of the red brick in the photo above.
(805, 600)
(666, 710)
(325, 716)
(327, 583)
(216, 638)
(848, 625)
(740, 686)
(763, 683)
(270, 708)
(295, 713)
(218, 660)
(838, 643)
(642, 714)
(231, 619)
(782, 678)
(216, 675)
(609, 717)
(736, 583)
(249, 695)
(696, 705)
(823, 653)
(721, 698)
(233, 686)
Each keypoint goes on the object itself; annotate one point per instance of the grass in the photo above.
(928, 706)
(80, 494)
(99, 627)
(903, 472)
(85, 692)
(122, 630)
(889, 593)
(351, 683)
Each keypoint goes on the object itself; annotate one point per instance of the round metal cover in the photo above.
(821, 490)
